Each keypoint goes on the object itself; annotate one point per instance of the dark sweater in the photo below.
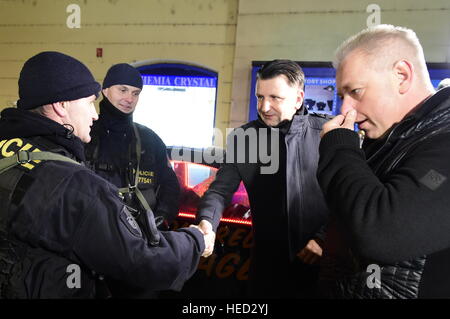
(393, 206)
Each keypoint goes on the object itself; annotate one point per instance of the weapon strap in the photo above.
(149, 219)
(23, 157)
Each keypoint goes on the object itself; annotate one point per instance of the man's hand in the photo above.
(209, 235)
(340, 121)
(311, 253)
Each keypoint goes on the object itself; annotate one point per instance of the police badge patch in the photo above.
(129, 222)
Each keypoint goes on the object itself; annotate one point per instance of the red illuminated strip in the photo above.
(226, 220)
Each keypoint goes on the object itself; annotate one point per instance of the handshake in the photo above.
(209, 236)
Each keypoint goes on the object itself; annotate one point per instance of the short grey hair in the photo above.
(383, 41)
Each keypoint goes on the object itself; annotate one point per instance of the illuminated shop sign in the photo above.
(182, 81)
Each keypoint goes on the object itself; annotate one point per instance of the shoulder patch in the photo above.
(433, 179)
(316, 120)
(323, 115)
(130, 223)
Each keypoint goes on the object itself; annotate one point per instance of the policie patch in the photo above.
(129, 222)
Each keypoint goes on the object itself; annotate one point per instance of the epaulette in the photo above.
(322, 115)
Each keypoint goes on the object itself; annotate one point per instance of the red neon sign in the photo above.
(226, 220)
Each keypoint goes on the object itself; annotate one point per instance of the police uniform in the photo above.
(62, 214)
(62, 227)
(112, 155)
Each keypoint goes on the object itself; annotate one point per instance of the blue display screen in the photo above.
(184, 81)
(438, 72)
(178, 102)
(320, 95)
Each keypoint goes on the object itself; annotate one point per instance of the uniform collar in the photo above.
(112, 118)
(25, 124)
(288, 126)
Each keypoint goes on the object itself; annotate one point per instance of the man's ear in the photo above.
(60, 108)
(404, 75)
(300, 96)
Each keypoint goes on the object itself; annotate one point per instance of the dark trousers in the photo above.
(291, 280)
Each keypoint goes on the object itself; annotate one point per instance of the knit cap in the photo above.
(122, 73)
(50, 77)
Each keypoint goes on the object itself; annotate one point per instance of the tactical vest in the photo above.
(18, 259)
(131, 193)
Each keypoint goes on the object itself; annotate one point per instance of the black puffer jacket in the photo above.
(391, 210)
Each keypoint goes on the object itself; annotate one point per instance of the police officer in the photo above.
(62, 227)
(120, 148)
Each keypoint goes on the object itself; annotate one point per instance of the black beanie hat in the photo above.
(50, 77)
(122, 73)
